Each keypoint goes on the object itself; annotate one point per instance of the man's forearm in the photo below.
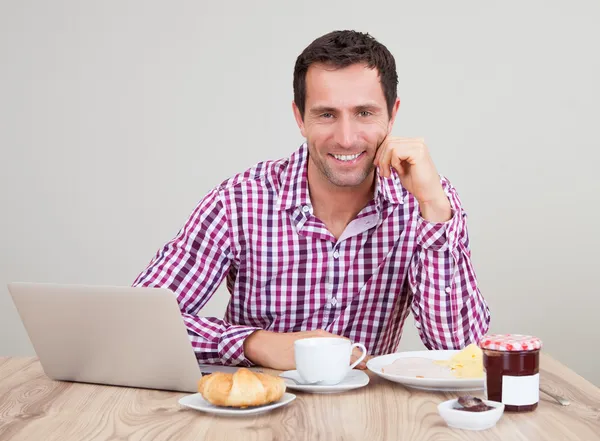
(437, 211)
(254, 348)
(275, 350)
(216, 341)
(449, 309)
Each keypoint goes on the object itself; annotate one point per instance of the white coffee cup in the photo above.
(325, 360)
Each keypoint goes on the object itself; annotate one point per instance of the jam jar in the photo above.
(512, 369)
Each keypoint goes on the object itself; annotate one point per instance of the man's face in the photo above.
(345, 120)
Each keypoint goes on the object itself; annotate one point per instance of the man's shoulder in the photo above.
(265, 174)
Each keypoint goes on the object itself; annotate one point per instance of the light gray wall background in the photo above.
(116, 117)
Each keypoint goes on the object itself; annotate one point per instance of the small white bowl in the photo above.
(460, 419)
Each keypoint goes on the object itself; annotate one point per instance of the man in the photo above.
(345, 237)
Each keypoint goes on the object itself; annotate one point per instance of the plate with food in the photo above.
(441, 370)
(240, 393)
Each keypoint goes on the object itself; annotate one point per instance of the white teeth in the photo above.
(346, 157)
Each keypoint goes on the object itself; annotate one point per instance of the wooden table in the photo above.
(32, 407)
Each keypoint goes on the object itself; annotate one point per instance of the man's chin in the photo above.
(349, 181)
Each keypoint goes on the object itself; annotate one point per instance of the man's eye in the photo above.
(365, 113)
(326, 115)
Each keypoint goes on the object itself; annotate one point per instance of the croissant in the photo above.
(242, 388)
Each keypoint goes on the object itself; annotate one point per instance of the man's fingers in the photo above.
(397, 164)
(418, 140)
(393, 150)
(356, 354)
(379, 153)
(398, 155)
(386, 162)
(366, 360)
(379, 150)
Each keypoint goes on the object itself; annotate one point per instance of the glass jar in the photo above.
(512, 369)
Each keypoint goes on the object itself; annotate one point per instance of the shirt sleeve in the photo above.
(449, 309)
(193, 265)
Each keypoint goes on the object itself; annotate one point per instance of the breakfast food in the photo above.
(512, 366)
(471, 404)
(241, 389)
(467, 363)
(419, 367)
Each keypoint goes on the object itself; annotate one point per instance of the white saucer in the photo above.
(197, 402)
(353, 380)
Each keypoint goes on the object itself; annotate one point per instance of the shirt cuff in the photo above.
(438, 236)
(231, 345)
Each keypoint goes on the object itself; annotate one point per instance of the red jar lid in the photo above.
(510, 342)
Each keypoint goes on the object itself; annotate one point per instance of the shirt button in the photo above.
(448, 290)
(336, 254)
(333, 302)
(305, 209)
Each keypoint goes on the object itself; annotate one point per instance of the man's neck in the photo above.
(337, 206)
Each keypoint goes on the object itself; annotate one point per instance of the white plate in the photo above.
(441, 384)
(197, 402)
(353, 380)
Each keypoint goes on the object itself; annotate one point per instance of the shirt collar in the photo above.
(294, 192)
(294, 181)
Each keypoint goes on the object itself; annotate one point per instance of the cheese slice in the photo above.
(467, 363)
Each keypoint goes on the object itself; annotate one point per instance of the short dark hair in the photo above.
(341, 49)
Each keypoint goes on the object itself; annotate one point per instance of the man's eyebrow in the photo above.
(322, 109)
(368, 106)
(317, 110)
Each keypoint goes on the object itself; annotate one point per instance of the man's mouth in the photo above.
(346, 158)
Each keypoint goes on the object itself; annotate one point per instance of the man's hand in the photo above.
(411, 160)
(276, 350)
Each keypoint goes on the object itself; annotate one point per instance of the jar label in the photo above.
(520, 391)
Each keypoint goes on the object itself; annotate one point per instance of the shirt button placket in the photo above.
(333, 301)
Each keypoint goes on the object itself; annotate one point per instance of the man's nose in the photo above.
(345, 133)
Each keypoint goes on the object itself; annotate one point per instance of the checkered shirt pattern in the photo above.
(286, 272)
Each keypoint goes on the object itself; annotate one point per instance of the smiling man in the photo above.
(344, 238)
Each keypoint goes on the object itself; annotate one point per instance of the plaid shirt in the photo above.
(286, 272)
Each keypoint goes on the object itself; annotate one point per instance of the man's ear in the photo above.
(299, 119)
(393, 115)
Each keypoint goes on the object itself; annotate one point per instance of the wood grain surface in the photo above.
(33, 407)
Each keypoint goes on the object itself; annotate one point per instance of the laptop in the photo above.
(121, 336)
